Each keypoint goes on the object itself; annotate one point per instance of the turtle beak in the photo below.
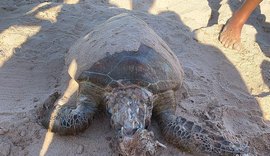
(140, 143)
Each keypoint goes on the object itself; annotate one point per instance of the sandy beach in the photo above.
(228, 91)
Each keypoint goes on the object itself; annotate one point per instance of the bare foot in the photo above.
(230, 34)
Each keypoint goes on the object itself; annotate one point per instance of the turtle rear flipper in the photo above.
(67, 120)
(193, 138)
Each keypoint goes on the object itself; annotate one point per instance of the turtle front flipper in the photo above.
(193, 138)
(186, 134)
(66, 120)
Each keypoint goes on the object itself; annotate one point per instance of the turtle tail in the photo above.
(193, 138)
(67, 120)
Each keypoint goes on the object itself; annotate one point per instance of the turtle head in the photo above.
(131, 110)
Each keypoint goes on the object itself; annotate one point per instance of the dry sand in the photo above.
(228, 90)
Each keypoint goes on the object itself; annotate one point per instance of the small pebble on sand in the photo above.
(80, 149)
(35, 99)
(23, 133)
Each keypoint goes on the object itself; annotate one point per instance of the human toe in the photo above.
(223, 40)
(237, 46)
(227, 43)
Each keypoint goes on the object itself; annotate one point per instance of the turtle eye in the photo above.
(108, 112)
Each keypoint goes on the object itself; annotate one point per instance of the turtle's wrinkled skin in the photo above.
(132, 85)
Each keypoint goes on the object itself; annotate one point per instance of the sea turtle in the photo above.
(124, 67)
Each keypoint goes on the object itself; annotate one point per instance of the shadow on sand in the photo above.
(41, 57)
